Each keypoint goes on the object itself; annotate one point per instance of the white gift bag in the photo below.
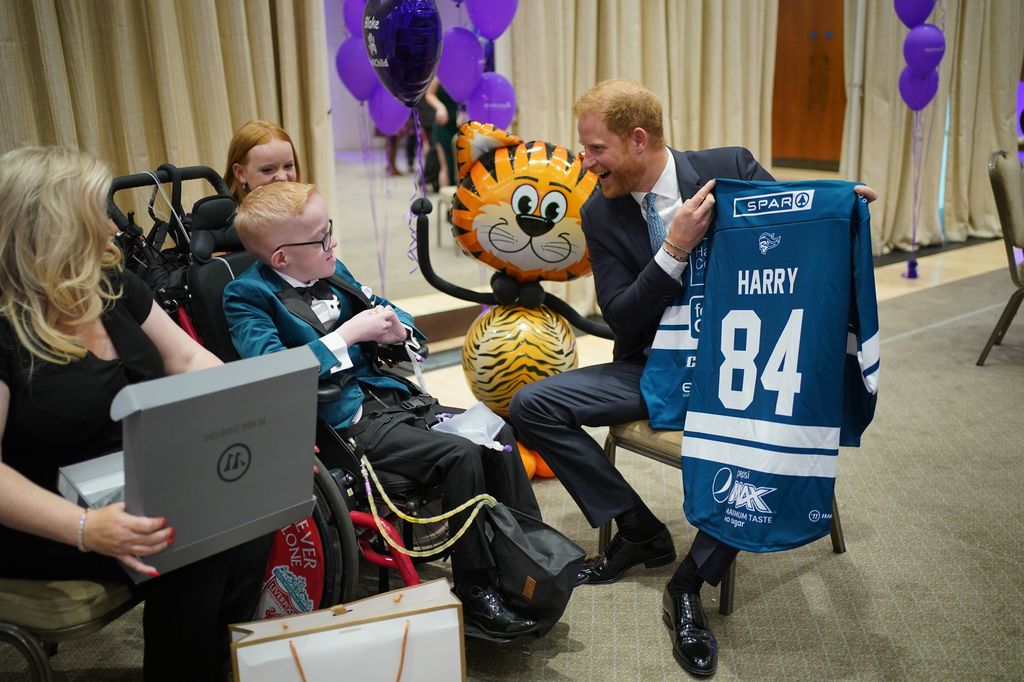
(413, 634)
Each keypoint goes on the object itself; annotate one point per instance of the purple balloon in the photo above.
(923, 49)
(492, 17)
(354, 69)
(461, 64)
(493, 101)
(403, 41)
(918, 91)
(913, 12)
(387, 112)
(353, 10)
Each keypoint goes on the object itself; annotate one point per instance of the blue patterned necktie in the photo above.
(655, 226)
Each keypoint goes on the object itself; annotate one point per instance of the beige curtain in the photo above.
(977, 78)
(711, 62)
(987, 56)
(144, 82)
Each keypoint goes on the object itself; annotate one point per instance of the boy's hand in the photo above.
(396, 332)
(370, 325)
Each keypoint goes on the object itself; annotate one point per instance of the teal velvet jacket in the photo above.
(265, 315)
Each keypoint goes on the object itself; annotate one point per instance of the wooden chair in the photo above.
(1007, 179)
(665, 447)
(35, 615)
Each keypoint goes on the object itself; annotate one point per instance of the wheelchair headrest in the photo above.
(212, 228)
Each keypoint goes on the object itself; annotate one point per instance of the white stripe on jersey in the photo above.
(870, 351)
(674, 339)
(760, 431)
(766, 461)
(676, 315)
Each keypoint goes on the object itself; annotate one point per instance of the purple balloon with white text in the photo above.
(923, 49)
(403, 41)
(354, 69)
(461, 64)
(491, 17)
(918, 91)
(493, 101)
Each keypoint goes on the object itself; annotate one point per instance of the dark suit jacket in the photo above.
(265, 315)
(632, 289)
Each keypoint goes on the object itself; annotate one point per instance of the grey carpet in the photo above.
(929, 589)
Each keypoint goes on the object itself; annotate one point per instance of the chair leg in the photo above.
(1003, 324)
(838, 541)
(727, 590)
(604, 536)
(30, 648)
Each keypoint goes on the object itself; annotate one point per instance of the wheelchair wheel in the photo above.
(341, 562)
(425, 536)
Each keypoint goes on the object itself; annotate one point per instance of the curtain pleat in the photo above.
(139, 83)
(710, 61)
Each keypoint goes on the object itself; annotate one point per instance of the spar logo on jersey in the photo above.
(768, 240)
(740, 494)
(776, 202)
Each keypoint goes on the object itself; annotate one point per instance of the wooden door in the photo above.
(810, 94)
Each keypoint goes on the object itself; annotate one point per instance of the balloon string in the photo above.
(915, 210)
(369, 166)
(409, 217)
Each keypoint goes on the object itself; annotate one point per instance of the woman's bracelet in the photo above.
(81, 531)
(685, 252)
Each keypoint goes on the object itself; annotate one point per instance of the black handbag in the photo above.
(536, 565)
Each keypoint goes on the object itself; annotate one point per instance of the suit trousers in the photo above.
(549, 416)
(461, 469)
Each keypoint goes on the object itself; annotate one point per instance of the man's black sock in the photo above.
(685, 580)
(638, 524)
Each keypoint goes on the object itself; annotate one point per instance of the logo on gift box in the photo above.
(234, 462)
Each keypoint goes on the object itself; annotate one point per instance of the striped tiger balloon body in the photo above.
(510, 346)
(517, 207)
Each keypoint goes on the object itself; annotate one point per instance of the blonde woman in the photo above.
(260, 153)
(74, 329)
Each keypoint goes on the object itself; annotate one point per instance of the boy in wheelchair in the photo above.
(298, 293)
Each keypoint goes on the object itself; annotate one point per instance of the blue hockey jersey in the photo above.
(667, 379)
(787, 364)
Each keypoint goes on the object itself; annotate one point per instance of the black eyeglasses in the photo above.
(324, 242)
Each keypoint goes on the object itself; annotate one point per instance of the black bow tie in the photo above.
(319, 291)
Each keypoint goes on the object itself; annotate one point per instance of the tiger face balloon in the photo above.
(517, 207)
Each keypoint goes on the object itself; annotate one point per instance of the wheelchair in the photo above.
(188, 279)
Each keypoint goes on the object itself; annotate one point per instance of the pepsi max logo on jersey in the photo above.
(776, 202)
(768, 240)
(739, 494)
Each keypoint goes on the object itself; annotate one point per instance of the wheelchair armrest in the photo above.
(397, 352)
(327, 391)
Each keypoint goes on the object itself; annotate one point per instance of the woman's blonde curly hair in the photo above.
(59, 267)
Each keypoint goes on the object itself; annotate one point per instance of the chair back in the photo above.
(1007, 179)
(217, 258)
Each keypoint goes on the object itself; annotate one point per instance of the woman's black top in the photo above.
(60, 414)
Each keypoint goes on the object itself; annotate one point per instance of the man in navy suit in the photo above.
(653, 209)
(299, 294)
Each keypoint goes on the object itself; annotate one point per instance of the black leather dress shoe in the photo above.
(482, 606)
(693, 644)
(621, 555)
